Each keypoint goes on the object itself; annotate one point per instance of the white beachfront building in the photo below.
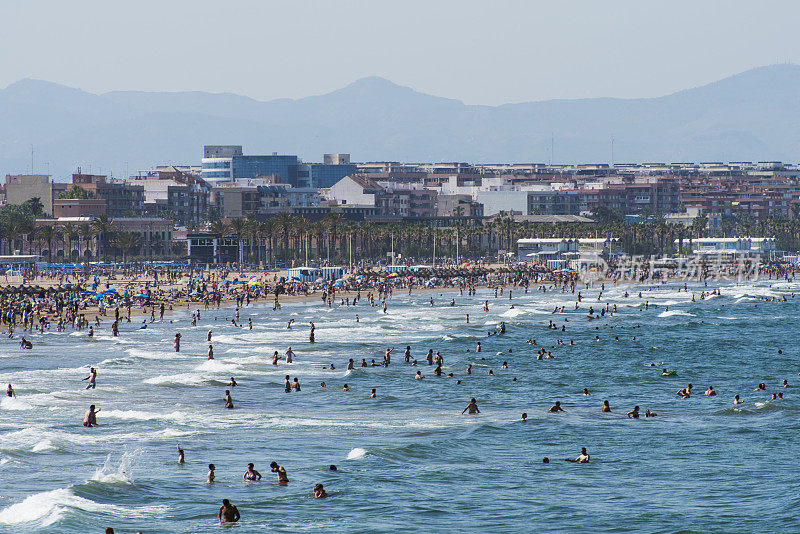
(732, 246)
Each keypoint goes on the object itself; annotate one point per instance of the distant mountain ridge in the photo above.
(750, 116)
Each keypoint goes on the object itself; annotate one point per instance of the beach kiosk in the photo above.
(332, 273)
(304, 274)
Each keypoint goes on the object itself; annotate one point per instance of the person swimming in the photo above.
(555, 408)
(228, 513)
(710, 392)
(228, 399)
(605, 408)
(251, 474)
(210, 477)
(583, 457)
(319, 492)
(633, 414)
(472, 407)
(90, 419)
(283, 478)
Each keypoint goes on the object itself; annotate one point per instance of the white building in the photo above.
(732, 246)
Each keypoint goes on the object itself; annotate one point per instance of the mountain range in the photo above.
(752, 116)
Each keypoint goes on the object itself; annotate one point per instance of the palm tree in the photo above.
(86, 232)
(103, 226)
(69, 232)
(285, 222)
(46, 234)
(35, 206)
(125, 242)
(218, 227)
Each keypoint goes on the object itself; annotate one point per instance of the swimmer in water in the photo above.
(181, 457)
(90, 419)
(92, 378)
(737, 400)
(418, 376)
(472, 407)
(319, 492)
(372, 394)
(10, 391)
(346, 388)
(282, 477)
(210, 478)
(583, 458)
(710, 392)
(648, 413)
(251, 474)
(556, 408)
(606, 408)
(585, 391)
(228, 399)
(633, 414)
(228, 513)
(524, 417)
(233, 382)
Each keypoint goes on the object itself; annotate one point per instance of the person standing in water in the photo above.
(90, 419)
(177, 342)
(583, 457)
(181, 456)
(472, 407)
(210, 478)
(210, 351)
(228, 513)
(251, 474)
(92, 378)
(283, 478)
(10, 392)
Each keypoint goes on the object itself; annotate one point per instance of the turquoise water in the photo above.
(408, 461)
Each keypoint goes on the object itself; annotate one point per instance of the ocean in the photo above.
(407, 460)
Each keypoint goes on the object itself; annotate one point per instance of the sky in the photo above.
(481, 52)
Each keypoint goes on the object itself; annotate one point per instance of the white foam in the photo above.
(671, 313)
(49, 507)
(136, 415)
(119, 473)
(44, 446)
(13, 403)
(356, 454)
(187, 379)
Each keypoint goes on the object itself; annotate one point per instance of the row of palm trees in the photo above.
(19, 232)
(289, 239)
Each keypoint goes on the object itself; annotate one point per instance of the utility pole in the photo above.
(612, 151)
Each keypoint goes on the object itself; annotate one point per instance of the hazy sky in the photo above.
(481, 52)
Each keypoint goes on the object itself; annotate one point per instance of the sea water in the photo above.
(408, 460)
